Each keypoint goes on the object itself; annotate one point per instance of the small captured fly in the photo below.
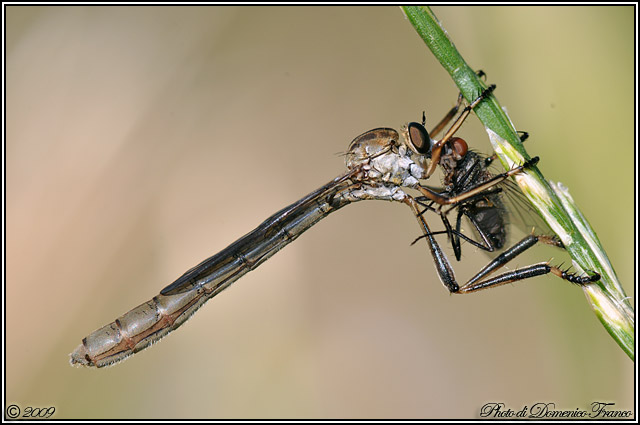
(381, 165)
(471, 191)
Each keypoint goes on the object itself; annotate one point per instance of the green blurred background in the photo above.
(141, 140)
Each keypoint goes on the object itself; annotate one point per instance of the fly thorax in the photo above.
(382, 159)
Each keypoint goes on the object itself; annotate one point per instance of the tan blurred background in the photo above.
(141, 140)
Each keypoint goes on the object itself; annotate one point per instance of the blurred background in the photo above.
(142, 140)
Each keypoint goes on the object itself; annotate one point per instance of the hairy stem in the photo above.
(551, 200)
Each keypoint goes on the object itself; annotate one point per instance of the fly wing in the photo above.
(521, 213)
(489, 217)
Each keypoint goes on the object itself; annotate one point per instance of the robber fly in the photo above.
(381, 165)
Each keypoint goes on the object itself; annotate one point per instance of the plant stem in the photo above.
(552, 201)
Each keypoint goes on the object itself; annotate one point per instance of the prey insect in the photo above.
(381, 165)
(475, 193)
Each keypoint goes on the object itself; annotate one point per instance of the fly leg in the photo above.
(444, 199)
(447, 118)
(436, 149)
(443, 267)
(452, 112)
(447, 276)
(456, 234)
(476, 283)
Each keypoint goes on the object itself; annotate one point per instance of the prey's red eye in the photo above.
(459, 146)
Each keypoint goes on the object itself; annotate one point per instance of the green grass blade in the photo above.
(551, 200)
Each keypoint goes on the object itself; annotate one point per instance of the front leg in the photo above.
(443, 199)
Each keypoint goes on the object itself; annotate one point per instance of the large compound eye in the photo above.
(459, 147)
(419, 138)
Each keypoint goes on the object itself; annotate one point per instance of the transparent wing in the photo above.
(520, 211)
